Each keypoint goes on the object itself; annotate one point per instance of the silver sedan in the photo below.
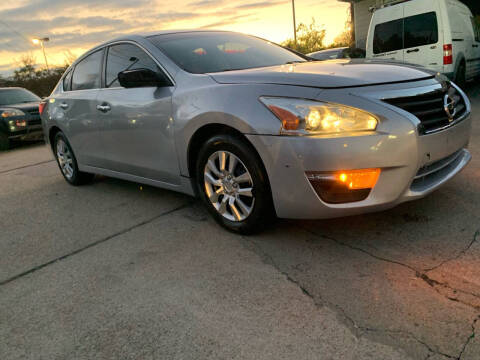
(254, 129)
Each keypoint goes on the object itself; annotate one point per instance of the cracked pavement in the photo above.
(114, 270)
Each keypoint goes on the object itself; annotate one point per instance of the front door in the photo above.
(138, 133)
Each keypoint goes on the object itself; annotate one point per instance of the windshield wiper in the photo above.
(295, 62)
(232, 69)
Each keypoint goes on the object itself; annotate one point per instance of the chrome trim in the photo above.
(466, 114)
(422, 91)
(417, 91)
(104, 47)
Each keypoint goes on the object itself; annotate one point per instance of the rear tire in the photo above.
(233, 184)
(460, 77)
(4, 142)
(67, 162)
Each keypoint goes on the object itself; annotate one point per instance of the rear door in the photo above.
(387, 38)
(422, 38)
(138, 129)
(75, 109)
(474, 58)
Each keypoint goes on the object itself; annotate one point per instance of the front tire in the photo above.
(68, 163)
(233, 184)
(4, 142)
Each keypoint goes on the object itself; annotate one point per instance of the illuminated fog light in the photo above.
(344, 186)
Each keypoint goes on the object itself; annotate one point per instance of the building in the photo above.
(362, 14)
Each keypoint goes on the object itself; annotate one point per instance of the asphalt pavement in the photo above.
(116, 270)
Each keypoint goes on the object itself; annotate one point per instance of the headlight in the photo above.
(299, 116)
(11, 112)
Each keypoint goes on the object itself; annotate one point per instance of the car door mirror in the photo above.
(142, 78)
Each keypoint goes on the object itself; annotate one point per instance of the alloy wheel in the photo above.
(65, 159)
(229, 185)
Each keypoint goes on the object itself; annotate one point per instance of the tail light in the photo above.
(41, 107)
(447, 54)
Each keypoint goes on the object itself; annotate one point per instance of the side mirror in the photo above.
(142, 78)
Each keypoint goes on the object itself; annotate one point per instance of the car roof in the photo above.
(178, 31)
(11, 87)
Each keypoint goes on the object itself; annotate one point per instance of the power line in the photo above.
(11, 29)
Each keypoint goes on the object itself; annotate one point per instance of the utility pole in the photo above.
(294, 23)
(40, 41)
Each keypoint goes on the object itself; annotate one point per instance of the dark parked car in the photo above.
(338, 53)
(19, 116)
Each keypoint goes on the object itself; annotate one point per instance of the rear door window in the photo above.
(87, 73)
(67, 81)
(123, 57)
(421, 30)
(388, 37)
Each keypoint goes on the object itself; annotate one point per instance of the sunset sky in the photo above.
(76, 25)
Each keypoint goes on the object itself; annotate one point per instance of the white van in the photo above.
(438, 34)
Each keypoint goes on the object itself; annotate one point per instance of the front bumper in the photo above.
(412, 167)
(33, 132)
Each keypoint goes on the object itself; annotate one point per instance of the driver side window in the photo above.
(123, 57)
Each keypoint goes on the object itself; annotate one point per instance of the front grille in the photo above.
(34, 117)
(36, 121)
(429, 108)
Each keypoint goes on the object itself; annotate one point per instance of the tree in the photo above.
(345, 39)
(309, 39)
(69, 57)
(27, 69)
(41, 82)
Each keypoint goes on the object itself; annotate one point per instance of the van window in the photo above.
(87, 72)
(476, 29)
(421, 30)
(388, 37)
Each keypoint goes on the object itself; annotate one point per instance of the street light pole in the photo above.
(41, 41)
(294, 23)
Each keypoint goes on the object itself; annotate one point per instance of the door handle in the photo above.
(413, 50)
(64, 105)
(475, 46)
(103, 108)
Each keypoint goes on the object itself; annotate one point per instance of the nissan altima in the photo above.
(254, 129)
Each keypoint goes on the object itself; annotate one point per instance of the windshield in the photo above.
(208, 52)
(16, 96)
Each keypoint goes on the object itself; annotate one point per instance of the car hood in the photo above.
(326, 74)
(31, 106)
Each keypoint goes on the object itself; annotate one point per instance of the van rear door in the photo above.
(423, 39)
(387, 40)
